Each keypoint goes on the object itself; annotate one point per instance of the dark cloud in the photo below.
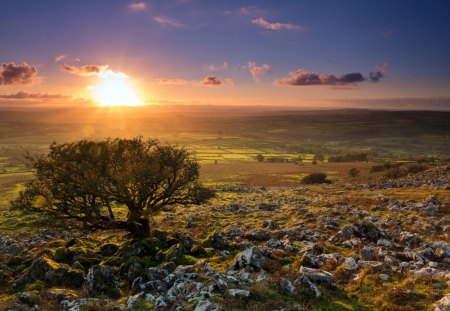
(86, 70)
(303, 77)
(17, 74)
(214, 81)
(25, 95)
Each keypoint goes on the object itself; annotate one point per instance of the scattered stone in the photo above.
(252, 258)
(239, 293)
(318, 276)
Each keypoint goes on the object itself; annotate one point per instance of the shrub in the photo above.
(415, 168)
(394, 173)
(260, 158)
(315, 178)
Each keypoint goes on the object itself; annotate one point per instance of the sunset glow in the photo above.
(115, 90)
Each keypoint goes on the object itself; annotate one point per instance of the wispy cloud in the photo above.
(252, 10)
(165, 21)
(25, 95)
(386, 33)
(213, 67)
(172, 81)
(59, 58)
(17, 74)
(257, 70)
(215, 81)
(137, 6)
(302, 77)
(379, 72)
(275, 26)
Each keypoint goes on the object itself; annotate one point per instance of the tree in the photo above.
(260, 158)
(87, 181)
(353, 172)
(314, 162)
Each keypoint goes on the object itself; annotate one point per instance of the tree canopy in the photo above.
(88, 181)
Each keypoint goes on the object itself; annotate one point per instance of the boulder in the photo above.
(252, 259)
(443, 304)
(218, 240)
(103, 280)
(311, 261)
(318, 276)
(239, 293)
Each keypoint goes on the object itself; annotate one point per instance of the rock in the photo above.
(206, 305)
(133, 302)
(318, 276)
(108, 249)
(350, 264)
(239, 293)
(443, 304)
(368, 230)
(286, 286)
(345, 233)
(270, 224)
(258, 235)
(55, 274)
(156, 274)
(218, 240)
(384, 277)
(268, 207)
(175, 252)
(369, 252)
(304, 281)
(103, 280)
(78, 305)
(252, 258)
(311, 261)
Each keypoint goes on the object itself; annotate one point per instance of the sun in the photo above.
(115, 89)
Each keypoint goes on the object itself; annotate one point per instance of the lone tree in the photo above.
(87, 181)
(260, 158)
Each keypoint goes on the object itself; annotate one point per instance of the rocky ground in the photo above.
(321, 247)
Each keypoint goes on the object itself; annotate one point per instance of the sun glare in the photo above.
(115, 89)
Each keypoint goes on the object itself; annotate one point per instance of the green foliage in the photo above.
(83, 180)
(315, 178)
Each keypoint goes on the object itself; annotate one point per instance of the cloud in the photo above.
(86, 70)
(25, 95)
(17, 74)
(215, 81)
(213, 67)
(379, 73)
(274, 26)
(60, 58)
(137, 6)
(302, 77)
(251, 10)
(165, 21)
(172, 81)
(256, 70)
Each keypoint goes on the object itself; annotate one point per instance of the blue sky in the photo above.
(168, 49)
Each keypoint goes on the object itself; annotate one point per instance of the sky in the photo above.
(392, 54)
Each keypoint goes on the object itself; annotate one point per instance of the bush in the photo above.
(315, 178)
(377, 169)
(415, 168)
(394, 173)
(260, 158)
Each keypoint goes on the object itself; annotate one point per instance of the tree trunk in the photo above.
(138, 226)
